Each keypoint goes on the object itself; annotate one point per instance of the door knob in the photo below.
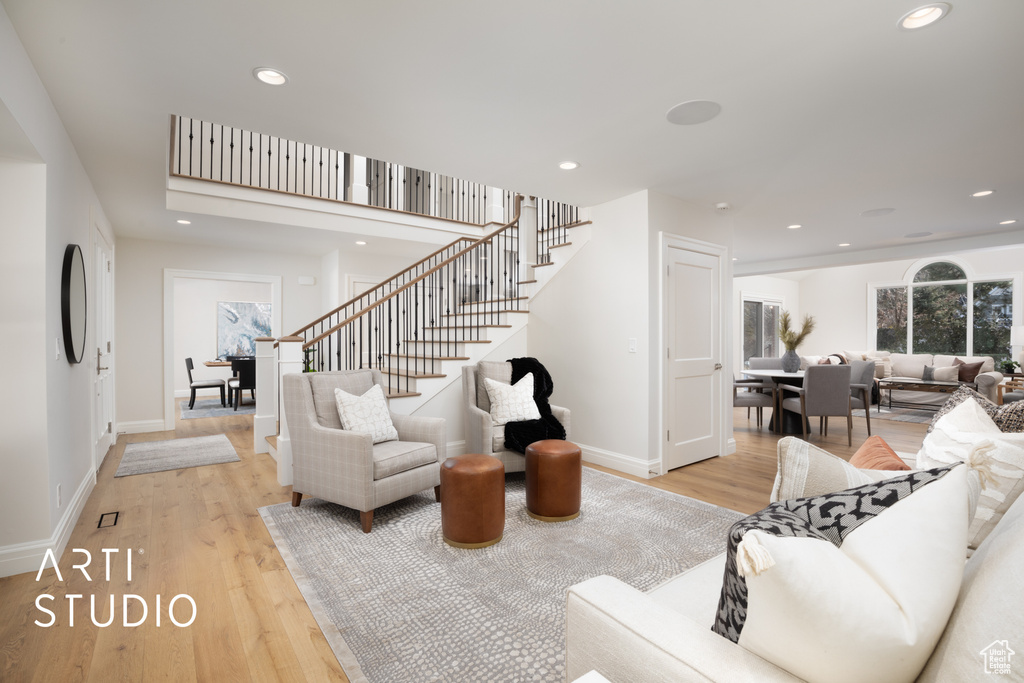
(718, 366)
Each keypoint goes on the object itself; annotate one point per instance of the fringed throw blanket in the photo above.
(519, 435)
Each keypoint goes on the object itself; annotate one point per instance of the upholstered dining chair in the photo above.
(862, 378)
(195, 384)
(756, 394)
(346, 467)
(482, 435)
(826, 392)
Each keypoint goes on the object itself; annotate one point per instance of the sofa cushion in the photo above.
(366, 414)
(933, 373)
(393, 457)
(988, 364)
(851, 586)
(983, 616)
(876, 454)
(959, 396)
(806, 470)
(323, 385)
(499, 371)
(883, 363)
(910, 365)
(968, 434)
(967, 372)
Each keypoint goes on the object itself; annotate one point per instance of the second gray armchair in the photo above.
(826, 392)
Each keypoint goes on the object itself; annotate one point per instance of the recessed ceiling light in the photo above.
(735, 259)
(361, 243)
(269, 76)
(568, 165)
(925, 15)
(184, 222)
(1009, 222)
(845, 244)
(874, 213)
(693, 112)
(983, 193)
(915, 235)
(795, 226)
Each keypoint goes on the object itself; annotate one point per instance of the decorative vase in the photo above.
(790, 361)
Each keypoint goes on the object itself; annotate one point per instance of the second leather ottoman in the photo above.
(554, 474)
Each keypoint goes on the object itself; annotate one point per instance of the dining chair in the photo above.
(756, 394)
(195, 384)
(862, 378)
(825, 393)
(245, 378)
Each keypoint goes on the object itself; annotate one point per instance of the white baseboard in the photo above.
(730, 447)
(456, 448)
(620, 462)
(141, 426)
(27, 557)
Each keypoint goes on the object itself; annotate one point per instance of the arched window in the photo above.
(943, 311)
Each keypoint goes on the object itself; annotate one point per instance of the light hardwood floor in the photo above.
(197, 531)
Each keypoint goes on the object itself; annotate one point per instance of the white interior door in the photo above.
(693, 349)
(103, 386)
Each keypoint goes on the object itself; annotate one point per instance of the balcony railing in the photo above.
(224, 154)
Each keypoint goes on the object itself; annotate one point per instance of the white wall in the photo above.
(579, 328)
(838, 297)
(139, 310)
(195, 324)
(53, 433)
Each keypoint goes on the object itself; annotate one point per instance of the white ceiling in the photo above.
(828, 109)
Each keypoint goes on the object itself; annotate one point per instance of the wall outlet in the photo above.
(58, 496)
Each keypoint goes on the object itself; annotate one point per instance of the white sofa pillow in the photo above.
(512, 402)
(852, 586)
(366, 414)
(910, 365)
(967, 433)
(806, 470)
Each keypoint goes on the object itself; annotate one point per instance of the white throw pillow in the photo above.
(852, 586)
(366, 414)
(968, 434)
(512, 402)
(806, 470)
(947, 374)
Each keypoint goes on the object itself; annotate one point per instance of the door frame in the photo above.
(726, 445)
(170, 274)
(100, 238)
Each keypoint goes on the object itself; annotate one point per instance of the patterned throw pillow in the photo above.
(367, 414)
(959, 396)
(1009, 417)
(806, 470)
(512, 402)
(852, 586)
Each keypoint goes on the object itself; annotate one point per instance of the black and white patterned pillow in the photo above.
(797, 584)
(1009, 417)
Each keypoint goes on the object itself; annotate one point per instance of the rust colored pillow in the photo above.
(968, 372)
(875, 454)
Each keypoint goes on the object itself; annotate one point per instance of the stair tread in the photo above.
(563, 244)
(541, 265)
(402, 394)
(444, 341)
(397, 372)
(494, 301)
(424, 358)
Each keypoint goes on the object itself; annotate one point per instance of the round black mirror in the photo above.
(72, 303)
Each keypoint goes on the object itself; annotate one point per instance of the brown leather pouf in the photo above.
(554, 472)
(472, 500)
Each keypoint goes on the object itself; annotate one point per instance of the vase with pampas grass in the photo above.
(792, 339)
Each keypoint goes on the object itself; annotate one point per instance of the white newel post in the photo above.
(358, 192)
(495, 212)
(290, 353)
(527, 235)
(264, 423)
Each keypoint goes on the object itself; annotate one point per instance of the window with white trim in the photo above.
(761, 327)
(943, 311)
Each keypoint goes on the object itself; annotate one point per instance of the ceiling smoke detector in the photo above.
(722, 207)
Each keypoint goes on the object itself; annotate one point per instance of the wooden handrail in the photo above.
(378, 286)
(378, 302)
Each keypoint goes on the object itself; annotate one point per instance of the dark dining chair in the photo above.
(862, 379)
(195, 384)
(245, 378)
(826, 391)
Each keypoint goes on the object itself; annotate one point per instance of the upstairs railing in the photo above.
(553, 221)
(407, 332)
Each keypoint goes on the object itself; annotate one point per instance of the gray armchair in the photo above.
(346, 467)
(862, 378)
(482, 435)
(826, 392)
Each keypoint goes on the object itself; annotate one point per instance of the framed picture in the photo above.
(239, 323)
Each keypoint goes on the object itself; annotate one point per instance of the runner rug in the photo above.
(144, 457)
(399, 604)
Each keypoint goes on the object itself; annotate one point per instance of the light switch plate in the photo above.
(632, 344)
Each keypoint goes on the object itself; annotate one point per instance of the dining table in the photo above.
(783, 421)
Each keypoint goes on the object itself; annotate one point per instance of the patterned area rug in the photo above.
(211, 407)
(399, 604)
(159, 456)
(898, 414)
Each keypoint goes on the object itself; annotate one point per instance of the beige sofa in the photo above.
(664, 635)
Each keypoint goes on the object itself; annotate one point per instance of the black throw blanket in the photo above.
(519, 435)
